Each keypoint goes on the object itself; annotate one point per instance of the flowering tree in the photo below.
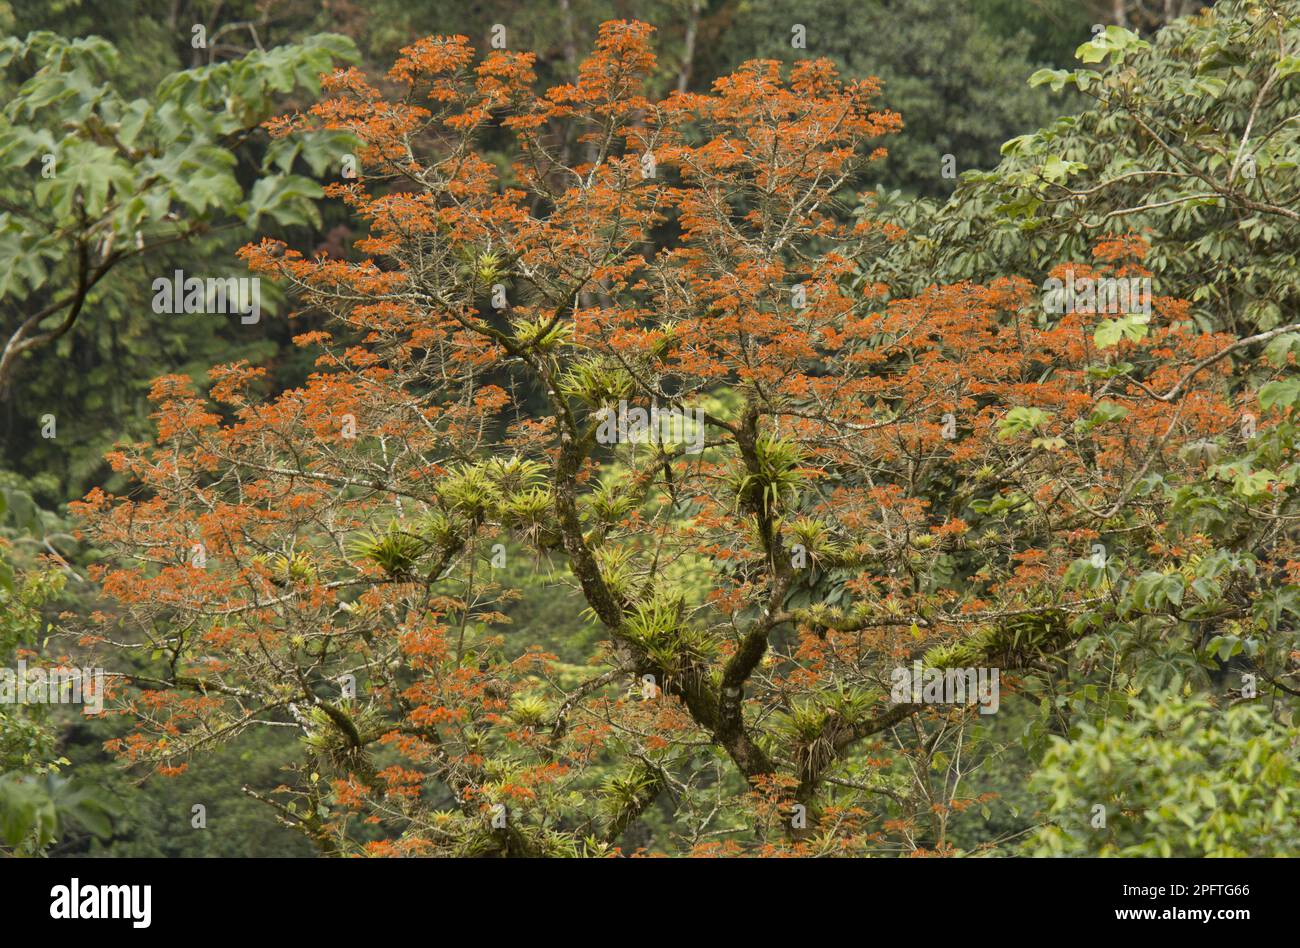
(632, 356)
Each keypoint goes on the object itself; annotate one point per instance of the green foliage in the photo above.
(1177, 777)
(107, 191)
(157, 819)
(1110, 331)
(36, 811)
(37, 803)
(1159, 151)
(1021, 420)
(104, 172)
(27, 739)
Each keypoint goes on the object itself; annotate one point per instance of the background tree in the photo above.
(102, 191)
(1191, 140)
(1175, 778)
(958, 82)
